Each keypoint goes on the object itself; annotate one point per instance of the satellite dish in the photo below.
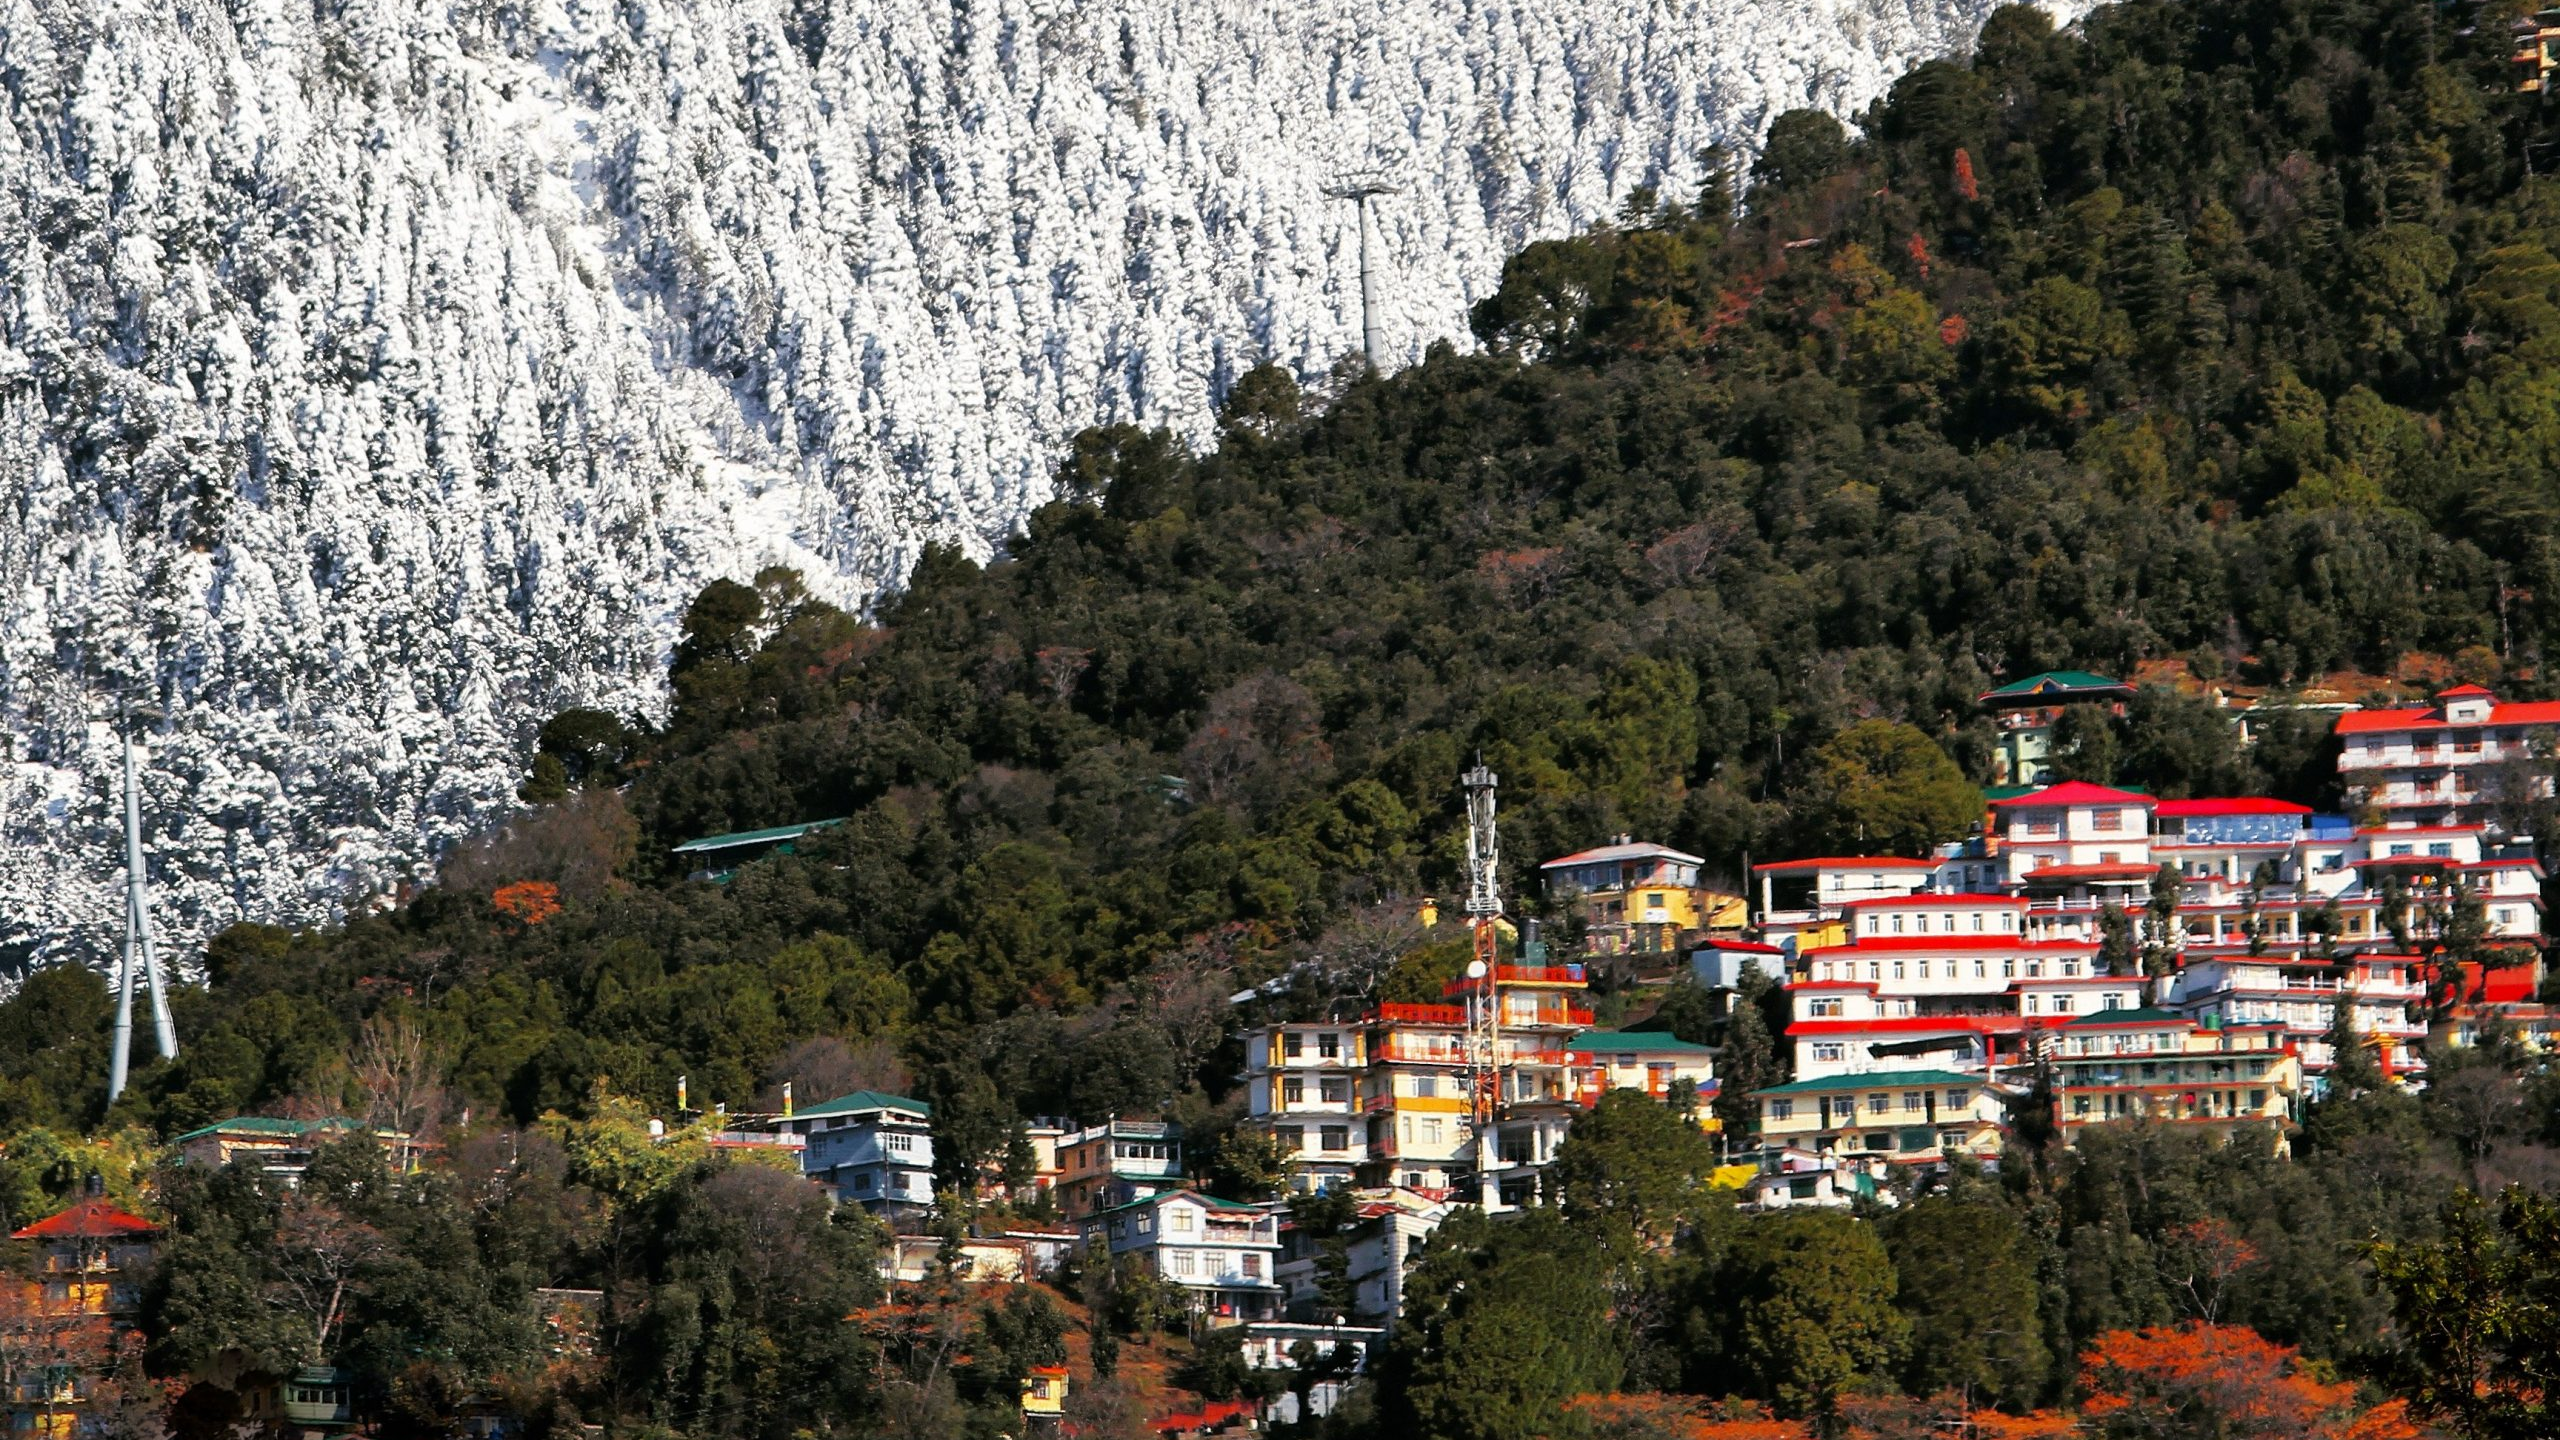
(1475, 969)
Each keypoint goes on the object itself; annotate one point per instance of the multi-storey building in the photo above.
(2027, 711)
(2160, 1065)
(1538, 1078)
(2275, 908)
(1225, 1255)
(1802, 902)
(1652, 1062)
(77, 1312)
(2449, 763)
(1909, 1115)
(1117, 1162)
(1382, 1243)
(868, 1149)
(1303, 1085)
(1639, 898)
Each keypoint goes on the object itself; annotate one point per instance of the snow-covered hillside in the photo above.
(377, 376)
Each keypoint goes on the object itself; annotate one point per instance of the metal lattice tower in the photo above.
(139, 952)
(1484, 916)
(1360, 190)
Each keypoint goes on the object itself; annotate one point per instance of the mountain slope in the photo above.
(373, 383)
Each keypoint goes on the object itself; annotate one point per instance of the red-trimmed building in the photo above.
(2449, 763)
(74, 1325)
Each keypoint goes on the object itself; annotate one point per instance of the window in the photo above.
(1337, 1090)
(901, 1144)
(1430, 1132)
(2439, 849)
(1879, 1140)
(1897, 970)
(2061, 1004)
(1336, 1138)
(1146, 1224)
(1292, 1090)
(1911, 1100)
(1781, 1109)
(1875, 970)
(1820, 1009)
(1426, 1087)
(1981, 968)
(2008, 969)
(1179, 1263)
(862, 1183)
(1289, 1042)
(2106, 822)
(1955, 1099)
(1177, 1221)
(2079, 1104)
(1879, 1104)
(1292, 1139)
(1329, 1046)
(1253, 1267)
(2035, 969)
(1977, 926)
(1897, 924)
(1830, 1052)
(2070, 969)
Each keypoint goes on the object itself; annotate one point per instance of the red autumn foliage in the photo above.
(1965, 184)
(1953, 329)
(1917, 247)
(2164, 1379)
(531, 901)
(1653, 1417)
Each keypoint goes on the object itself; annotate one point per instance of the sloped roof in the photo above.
(2056, 685)
(861, 1101)
(2141, 1015)
(1634, 1040)
(2078, 792)
(2235, 805)
(93, 1217)
(1877, 1080)
(2426, 717)
(273, 1126)
(1847, 862)
(1633, 850)
(755, 837)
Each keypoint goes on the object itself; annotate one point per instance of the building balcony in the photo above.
(1326, 1109)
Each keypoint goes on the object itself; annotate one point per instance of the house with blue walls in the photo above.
(872, 1150)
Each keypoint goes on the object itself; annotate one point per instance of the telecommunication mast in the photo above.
(1484, 917)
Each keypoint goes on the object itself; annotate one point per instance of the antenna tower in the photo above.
(1484, 917)
(139, 952)
(1360, 189)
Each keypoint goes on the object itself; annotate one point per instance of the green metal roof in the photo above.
(1210, 1201)
(1634, 1040)
(775, 835)
(275, 1125)
(863, 1100)
(2144, 1015)
(1878, 1080)
(2060, 683)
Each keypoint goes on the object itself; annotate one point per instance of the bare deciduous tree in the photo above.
(402, 1083)
(321, 1253)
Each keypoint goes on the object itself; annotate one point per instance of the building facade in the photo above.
(1117, 1162)
(2451, 763)
(1223, 1255)
(870, 1149)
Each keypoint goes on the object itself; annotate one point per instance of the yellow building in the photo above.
(1044, 1393)
(1655, 1062)
(1639, 898)
(1902, 1115)
(1414, 1094)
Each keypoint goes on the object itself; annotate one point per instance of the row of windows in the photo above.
(1919, 924)
(1332, 1089)
(1331, 1139)
(1328, 1045)
(1879, 1102)
(1928, 969)
(1209, 1264)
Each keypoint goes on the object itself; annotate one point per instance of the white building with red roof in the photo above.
(1800, 900)
(2450, 762)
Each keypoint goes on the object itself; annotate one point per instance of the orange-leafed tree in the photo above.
(531, 901)
(1622, 1416)
(2220, 1382)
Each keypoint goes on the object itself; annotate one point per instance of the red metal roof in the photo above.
(1996, 944)
(1847, 862)
(2366, 722)
(2077, 792)
(2235, 805)
(1927, 897)
(2459, 692)
(2419, 830)
(1742, 947)
(93, 1217)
